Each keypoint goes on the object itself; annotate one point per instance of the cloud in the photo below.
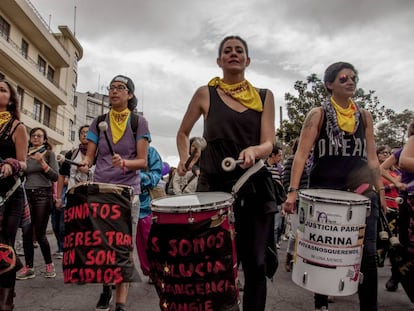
(169, 48)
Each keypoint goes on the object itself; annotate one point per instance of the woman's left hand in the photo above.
(249, 157)
(116, 160)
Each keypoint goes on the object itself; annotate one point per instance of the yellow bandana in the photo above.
(243, 92)
(5, 116)
(118, 122)
(345, 116)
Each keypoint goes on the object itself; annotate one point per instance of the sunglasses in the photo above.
(344, 78)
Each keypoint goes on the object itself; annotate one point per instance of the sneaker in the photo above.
(322, 309)
(25, 273)
(104, 302)
(120, 309)
(50, 271)
(391, 285)
(59, 255)
(278, 245)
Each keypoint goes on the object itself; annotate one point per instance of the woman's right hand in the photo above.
(289, 206)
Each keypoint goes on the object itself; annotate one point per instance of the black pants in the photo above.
(40, 201)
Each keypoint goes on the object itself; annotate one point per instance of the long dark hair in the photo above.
(13, 106)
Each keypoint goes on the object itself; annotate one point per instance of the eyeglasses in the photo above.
(119, 88)
(344, 78)
(385, 153)
(36, 136)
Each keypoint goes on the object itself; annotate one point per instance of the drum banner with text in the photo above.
(98, 240)
(193, 266)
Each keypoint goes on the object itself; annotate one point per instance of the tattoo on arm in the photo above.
(308, 121)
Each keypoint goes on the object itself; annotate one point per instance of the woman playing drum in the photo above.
(238, 124)
(344, 159)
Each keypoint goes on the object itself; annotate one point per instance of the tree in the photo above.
(393, 131)
(312, 93)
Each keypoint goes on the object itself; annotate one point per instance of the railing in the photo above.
(45, 24)
(31, 62)
(32, 116)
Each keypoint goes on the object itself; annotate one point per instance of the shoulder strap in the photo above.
(99, 120)
(74, 154)
(134, 123)
(364, 117)
(262, 93)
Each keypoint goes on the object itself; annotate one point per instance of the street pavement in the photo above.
(42, 294)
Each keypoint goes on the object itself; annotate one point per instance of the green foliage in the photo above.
(393, 131)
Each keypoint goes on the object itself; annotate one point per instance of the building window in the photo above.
(75, 101)
(41, 64)
(25, 48)
(37, 110)
(72, 97)
(71, 130)
(50, 74)
(4, 28)
(20, 96)
(46, 116)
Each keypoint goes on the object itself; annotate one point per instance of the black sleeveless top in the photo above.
(341, 168)
(227, 133)
(7, 150)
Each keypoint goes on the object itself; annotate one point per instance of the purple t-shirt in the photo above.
(406, 177)
(125, 147)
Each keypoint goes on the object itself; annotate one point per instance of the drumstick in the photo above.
(103, 126)
(199, 143)
(36, 150)
(229, 164)
(61, 159)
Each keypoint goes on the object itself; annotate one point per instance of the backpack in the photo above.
(133, 123)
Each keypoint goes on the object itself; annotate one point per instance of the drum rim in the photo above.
(363, 200)
(211, 206)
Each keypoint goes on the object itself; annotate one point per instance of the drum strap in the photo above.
(242, 180)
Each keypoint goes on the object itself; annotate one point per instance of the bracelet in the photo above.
(381, 188)
(291, 189)
(123, 165)
(45, 167)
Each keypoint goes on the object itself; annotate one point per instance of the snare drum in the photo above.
(98, 240)
(192, 253)
(329, 242)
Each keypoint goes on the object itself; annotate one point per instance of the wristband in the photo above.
(291, 189)
(123, 165)
(45, 167)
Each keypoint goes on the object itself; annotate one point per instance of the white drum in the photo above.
(329, 241)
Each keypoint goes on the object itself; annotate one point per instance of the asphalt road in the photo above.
(41, 294)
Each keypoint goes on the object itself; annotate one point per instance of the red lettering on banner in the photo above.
(207, 288)
(192, 306)
(195, 246)
(88, 238)
(100, 257)
(69, 257)
(68, 240)
(118, 238)
(103, 211)
(154, 244)
(90, 275)
(199, 269)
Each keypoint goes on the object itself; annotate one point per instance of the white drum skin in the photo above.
(329, 241)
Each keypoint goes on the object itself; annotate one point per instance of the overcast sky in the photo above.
(169, 48)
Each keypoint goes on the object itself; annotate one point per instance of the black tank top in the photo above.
(342, 168)
(7, 150)
(227, 133)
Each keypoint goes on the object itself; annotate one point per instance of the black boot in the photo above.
(6, 299)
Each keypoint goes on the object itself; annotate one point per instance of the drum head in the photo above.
(334, 196)
(194, 202)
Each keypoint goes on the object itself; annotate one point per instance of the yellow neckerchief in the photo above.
(118, 122)
(345, 116)
(5, 116)
(243, 92)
